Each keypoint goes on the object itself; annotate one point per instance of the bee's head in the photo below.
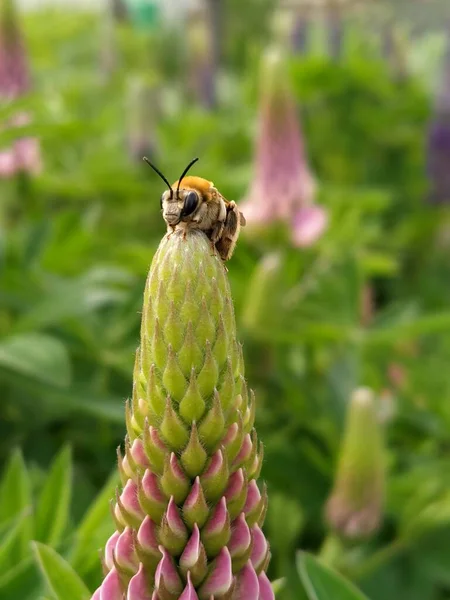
(178, 204)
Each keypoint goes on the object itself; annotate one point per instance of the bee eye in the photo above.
(161, 200)
(190, 204)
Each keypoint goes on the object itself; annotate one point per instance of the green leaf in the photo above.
(53, 507)
(278, 585)
(61, 579)
(22, 581)
(36, 356)
(322, 583)
(12, 543)
(94, 529)
(15, 500)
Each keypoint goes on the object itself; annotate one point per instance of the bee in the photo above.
(194, 203)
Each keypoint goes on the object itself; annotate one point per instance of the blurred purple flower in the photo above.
(438, 147)
(438, 159)
(300, 33)
(143, 106)
(108, 54)
(335, 28)
(202, 71)
(118, 10)
(24, 154)
(283, 187)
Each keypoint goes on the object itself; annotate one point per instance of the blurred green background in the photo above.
(366, 305)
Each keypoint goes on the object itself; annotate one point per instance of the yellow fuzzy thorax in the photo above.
(203, 186)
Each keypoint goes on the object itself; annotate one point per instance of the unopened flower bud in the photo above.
(355, 507)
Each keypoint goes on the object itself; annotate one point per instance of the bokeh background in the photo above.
(341, 278)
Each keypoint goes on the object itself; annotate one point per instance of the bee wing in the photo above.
(242, 221)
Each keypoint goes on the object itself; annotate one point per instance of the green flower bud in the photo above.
(355, 507)
(190, 511)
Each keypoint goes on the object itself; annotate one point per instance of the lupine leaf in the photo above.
(94, 528)
(53, 507)
(322, 583)
(11, 541)
(61, 579)
(22, 581)
(15, 500)
(37, 356)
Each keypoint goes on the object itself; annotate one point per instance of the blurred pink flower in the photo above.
(283, 187)
(308, 225)
(23, 155)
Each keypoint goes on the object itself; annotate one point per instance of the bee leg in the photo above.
(230, 232)
(172, 232)
(216, 234)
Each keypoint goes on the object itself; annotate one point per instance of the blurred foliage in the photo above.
(367, 305)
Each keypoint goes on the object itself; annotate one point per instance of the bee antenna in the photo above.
(184, 173)
(160, 174)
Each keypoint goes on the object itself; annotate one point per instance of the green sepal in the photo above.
(133, 469)
(238, 562)
(173, 541)
(156, 452)
(220, 351)
(154, 508)
(190, 355)
(130, 423)
(249, 415)
(148, 558)
(198, 570)
(228, 315)
(192, 406)
(209, 375)
(215, 539)
(206, 328)
(236, 506)
(190, 311)
(173, 331)
(129, 519)
(155, 397)
(198, 512)
(227, 388)
(173, 379)
(215, 477)
(174, 481)
(203, 288)
(254, 469)
(194, 456)
(173, 429)
(233, 444)
(176, 288)
(137, 406)
(211, 429)
(161, 304)
(215, 303)
(159, 349)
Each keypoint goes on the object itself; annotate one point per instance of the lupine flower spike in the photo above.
(143, 107)
(189, 513)
(23, 155)
(355, 507)
(335, 28)
(438, 155)
(202, 64)
(283, 187)
(300, 31)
